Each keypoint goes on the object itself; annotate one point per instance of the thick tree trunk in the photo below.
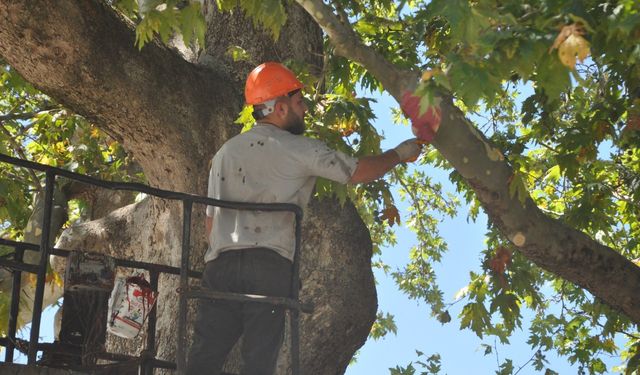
(166, 111)
(336, 276)
(172, 115)
(546, 241)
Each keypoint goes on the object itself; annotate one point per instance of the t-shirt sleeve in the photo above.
(322, 161)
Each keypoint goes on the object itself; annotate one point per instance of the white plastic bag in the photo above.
(131, 300)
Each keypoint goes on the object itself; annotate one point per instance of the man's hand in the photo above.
(424, 122)
(408, 150)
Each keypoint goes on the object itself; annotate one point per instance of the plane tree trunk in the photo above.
(172, 115)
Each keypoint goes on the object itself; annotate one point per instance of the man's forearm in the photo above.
(370, 168)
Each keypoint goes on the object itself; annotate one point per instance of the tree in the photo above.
(562, 215)
(171, 115)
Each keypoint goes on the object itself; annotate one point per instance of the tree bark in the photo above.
(165, 110)
(546, 241)
(336, 277)
(172, 115)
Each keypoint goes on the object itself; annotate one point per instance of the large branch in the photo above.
(83, 54)
(346, 44)
(546, 241)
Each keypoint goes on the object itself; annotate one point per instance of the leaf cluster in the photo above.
(425, 365)
(36, 128)
(165, 19)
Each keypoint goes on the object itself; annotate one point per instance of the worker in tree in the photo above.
(251, 252)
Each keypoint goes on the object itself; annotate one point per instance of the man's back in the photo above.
(267, 165)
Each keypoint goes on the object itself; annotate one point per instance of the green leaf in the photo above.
(634, 363)
(506, 368)
(238, 53)
(475, 317)
(384, 324)
(464, 19)
(192, 24)
(168, 19)
(269, 14)
(471, 82)
(553, 174)
(444, 317)
(528, 52)
(128, 7)
(508, 305)
(552, 76)
(517, 188)
(245, 118)
(488, 349)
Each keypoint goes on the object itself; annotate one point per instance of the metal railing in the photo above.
(147, 360)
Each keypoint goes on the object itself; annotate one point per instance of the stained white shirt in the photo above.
(267, 165)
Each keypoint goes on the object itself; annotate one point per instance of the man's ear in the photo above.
(281, 109)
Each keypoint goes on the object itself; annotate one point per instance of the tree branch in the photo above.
(526, 363)
(548, 242)
(25, 116)
(347, 44)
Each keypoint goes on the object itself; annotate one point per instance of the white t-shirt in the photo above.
(267, 165)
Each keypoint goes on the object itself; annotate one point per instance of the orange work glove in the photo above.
(424, 121)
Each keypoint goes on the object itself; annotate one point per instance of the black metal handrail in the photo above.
(24, 267)
(184, 271)
(160, 193)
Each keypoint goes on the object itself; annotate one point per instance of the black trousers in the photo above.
(220, 324)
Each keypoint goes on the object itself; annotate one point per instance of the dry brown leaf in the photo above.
(571, 45)
(391, 214)
(501, 260)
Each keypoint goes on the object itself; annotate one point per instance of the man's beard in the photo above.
(295, 124)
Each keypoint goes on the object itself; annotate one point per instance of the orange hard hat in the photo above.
(269, 81)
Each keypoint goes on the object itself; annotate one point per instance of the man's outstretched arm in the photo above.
(370, 168)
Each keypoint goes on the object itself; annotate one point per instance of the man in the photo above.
(251, 252)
